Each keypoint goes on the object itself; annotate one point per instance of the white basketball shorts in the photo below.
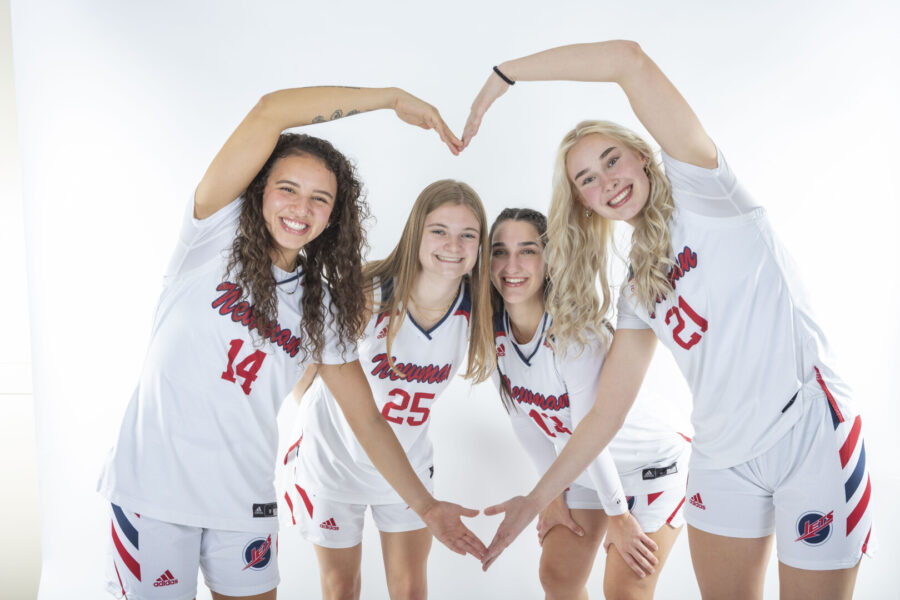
(150, 559)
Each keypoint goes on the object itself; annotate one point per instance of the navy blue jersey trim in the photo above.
(462, 291)
(294, 277)
(537, 346)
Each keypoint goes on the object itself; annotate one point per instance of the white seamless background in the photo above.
(122, 105)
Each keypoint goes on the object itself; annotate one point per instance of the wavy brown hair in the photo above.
(331, 263)
(402, 266)
(579, 245)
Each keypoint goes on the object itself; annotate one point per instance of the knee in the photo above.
(558, 580)
(408, 588)
(627, 587)
(339, 586)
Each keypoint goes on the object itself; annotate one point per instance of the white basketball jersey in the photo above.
(737, 321)
(551, 395)
(329, 460)
(197, 445)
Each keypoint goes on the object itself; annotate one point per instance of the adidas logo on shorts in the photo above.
(329, 524)
(165, 579)
(697, 501)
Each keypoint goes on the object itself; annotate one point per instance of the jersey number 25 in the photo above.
(415, 409)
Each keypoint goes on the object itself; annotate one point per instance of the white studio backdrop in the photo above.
(122, 105)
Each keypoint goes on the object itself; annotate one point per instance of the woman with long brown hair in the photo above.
(777, 451)
(430, 301)
(266, 277)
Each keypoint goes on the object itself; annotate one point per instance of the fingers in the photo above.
(448, 138)
(473, 123)
(472, 545)
(469, 512)
(649, 545)
(495, 509)
(498, 545)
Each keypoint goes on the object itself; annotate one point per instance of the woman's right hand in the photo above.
(492, 89)
(421, 114)
(556, 513)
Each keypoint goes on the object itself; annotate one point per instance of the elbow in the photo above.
(629, 56)
(264, 107)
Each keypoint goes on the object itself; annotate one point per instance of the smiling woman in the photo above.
(429, 301)
(266, 277)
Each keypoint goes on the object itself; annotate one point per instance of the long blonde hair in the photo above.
(578, 245)
(402, 266)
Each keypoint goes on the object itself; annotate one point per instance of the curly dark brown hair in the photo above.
(332, 261)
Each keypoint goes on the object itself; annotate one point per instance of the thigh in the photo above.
(715, 558)
(823, 521)
(239, 563)
(406, 562)
(150, 558)
(567, 559)
(802, 584)
(339, 571)
(619, 581)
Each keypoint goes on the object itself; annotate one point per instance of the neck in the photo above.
(285, 262)
(433, 292)
(525, 317)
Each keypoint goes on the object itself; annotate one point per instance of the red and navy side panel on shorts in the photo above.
(130, 533)
(850, 438)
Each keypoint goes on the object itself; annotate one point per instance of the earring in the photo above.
(588, 213)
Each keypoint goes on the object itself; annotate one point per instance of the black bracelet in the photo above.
(503, 77)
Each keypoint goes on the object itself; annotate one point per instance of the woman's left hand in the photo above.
(444, 521)
(633, 544)
(421, 114)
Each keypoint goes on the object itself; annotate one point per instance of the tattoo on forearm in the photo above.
(337, 114)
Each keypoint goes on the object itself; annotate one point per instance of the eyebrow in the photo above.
(447, 227)
(289, 182)
(528, 243)
(602, 156)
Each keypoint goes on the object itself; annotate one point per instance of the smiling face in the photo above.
(450, 241)
(608, 176)
(297, 203)
(517, 262)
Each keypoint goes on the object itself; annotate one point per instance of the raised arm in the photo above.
(349, 387)
(248, 148)
(655, 101)
(618, 385)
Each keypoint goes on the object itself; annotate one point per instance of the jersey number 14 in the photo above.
(246, 369)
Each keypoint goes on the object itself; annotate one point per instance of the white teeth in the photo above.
(514, 280)
(619, 197)
(448, 259)
(295, 225)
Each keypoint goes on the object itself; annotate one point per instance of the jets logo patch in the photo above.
(814, 528)
(258, 554)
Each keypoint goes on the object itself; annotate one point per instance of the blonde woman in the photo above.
(431, 301)
(634, 486)
(777, 452)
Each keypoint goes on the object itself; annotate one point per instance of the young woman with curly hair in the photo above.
(430, 300)
(634, 486)
(266, 278)
(777, 446)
